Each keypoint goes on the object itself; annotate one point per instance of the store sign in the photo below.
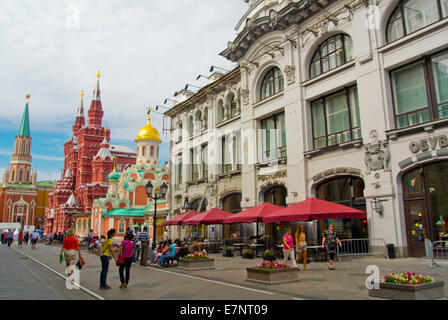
(431, 143)
(277, 175)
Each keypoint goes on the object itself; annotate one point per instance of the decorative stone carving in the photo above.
(273, 18)
(290, 74)
(245, 96)
(377, 155)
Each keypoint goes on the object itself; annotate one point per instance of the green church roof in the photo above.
(24, 130)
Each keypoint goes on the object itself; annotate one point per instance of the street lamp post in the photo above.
(157, 195)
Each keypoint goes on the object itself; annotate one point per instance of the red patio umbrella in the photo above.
(253, 214)
(212, 216)
(314, 209)
(177, 221)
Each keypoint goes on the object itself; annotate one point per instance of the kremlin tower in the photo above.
(18, 193)
(87, 165)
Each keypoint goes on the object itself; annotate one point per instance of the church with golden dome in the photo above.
(126, 204)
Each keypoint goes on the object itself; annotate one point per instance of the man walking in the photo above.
(136, 252)
(144, 243)
(34, 238)
(10, 237)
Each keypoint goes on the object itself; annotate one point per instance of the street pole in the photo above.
(155, 223)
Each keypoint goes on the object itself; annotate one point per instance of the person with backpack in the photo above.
(124, 260)
(107, 253)
(330, 241)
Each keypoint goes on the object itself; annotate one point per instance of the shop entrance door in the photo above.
(416, 227)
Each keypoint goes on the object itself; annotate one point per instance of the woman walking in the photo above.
(288, 248)
(107, 254)
(127, 250)
(20, 239)
(69, 248)
(330, 241)
(301, 245)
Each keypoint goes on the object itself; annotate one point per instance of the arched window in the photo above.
(232, 203)
(413, 15)
(331, 54)
(143, 151)
(276, 195)
(220, 111)
(20, 175)
(232, 106)
(272, 83)
(152, 151)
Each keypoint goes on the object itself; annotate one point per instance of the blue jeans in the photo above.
(162, 258)
(104, 270)
(136, 253)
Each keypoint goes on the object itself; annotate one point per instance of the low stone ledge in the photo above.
(427, 291)
(196, 264)
(277, 276)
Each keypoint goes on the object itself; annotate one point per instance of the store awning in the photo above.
(314, 209)
(177, 221)
(212, 216)
(254, 214)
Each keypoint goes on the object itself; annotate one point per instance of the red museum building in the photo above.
(89, 158)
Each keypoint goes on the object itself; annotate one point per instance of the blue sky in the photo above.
(146, 50)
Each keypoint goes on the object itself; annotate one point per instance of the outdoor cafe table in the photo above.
(256, 247)
(240, 246)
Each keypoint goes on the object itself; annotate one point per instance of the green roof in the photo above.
(46, 183)
(125, 213)
(130, 212)
(24, 130)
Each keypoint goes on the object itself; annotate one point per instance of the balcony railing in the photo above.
(274, 154)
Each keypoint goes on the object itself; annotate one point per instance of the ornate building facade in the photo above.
(342, 100)
(18, 194)
(87, 164)
(126, 203)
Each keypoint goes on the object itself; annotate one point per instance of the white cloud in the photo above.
(146, 50)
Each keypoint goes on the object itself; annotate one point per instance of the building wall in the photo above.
(305, 166)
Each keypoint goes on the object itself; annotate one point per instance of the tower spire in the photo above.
(96, 111)
(81, 106)
(24, 130)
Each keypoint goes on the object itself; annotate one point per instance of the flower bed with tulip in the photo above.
(411, 279)
(408, 286)
(272, 272)
(272, 265)
(197, 255)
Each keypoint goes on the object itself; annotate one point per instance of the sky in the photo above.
(145, 50)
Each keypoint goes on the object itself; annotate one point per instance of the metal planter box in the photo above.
(394, 291)
(196, 264)
(272, 276)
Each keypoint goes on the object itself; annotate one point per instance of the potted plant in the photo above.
(199, 260)
(248, 254)
(408, 286)
(268, 256)
(272, 272)
(228, 251)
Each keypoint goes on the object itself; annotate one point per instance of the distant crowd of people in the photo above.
(8, 237)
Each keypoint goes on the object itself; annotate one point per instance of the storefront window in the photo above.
(232, 203)
(348, 191)
(276, 195)
(412, 182)
(194, 205)
(437, 177)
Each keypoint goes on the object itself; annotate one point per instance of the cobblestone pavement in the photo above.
(228, 282)
(23, 279)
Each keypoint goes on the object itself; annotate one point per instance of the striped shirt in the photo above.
(143, 236)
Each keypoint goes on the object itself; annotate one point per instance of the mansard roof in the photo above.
(293, 14)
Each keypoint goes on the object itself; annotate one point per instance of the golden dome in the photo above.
(148, 132)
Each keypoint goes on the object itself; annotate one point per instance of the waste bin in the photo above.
(390, 250)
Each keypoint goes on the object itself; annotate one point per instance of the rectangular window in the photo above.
(413, 85)
(273, 137)
(237, 151)
(336, 119)
(179, 170)
(444, 5)
(225, 150)
(204, 155)
(440, 73)
(194, 164)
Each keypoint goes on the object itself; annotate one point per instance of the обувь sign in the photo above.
(429, 143)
